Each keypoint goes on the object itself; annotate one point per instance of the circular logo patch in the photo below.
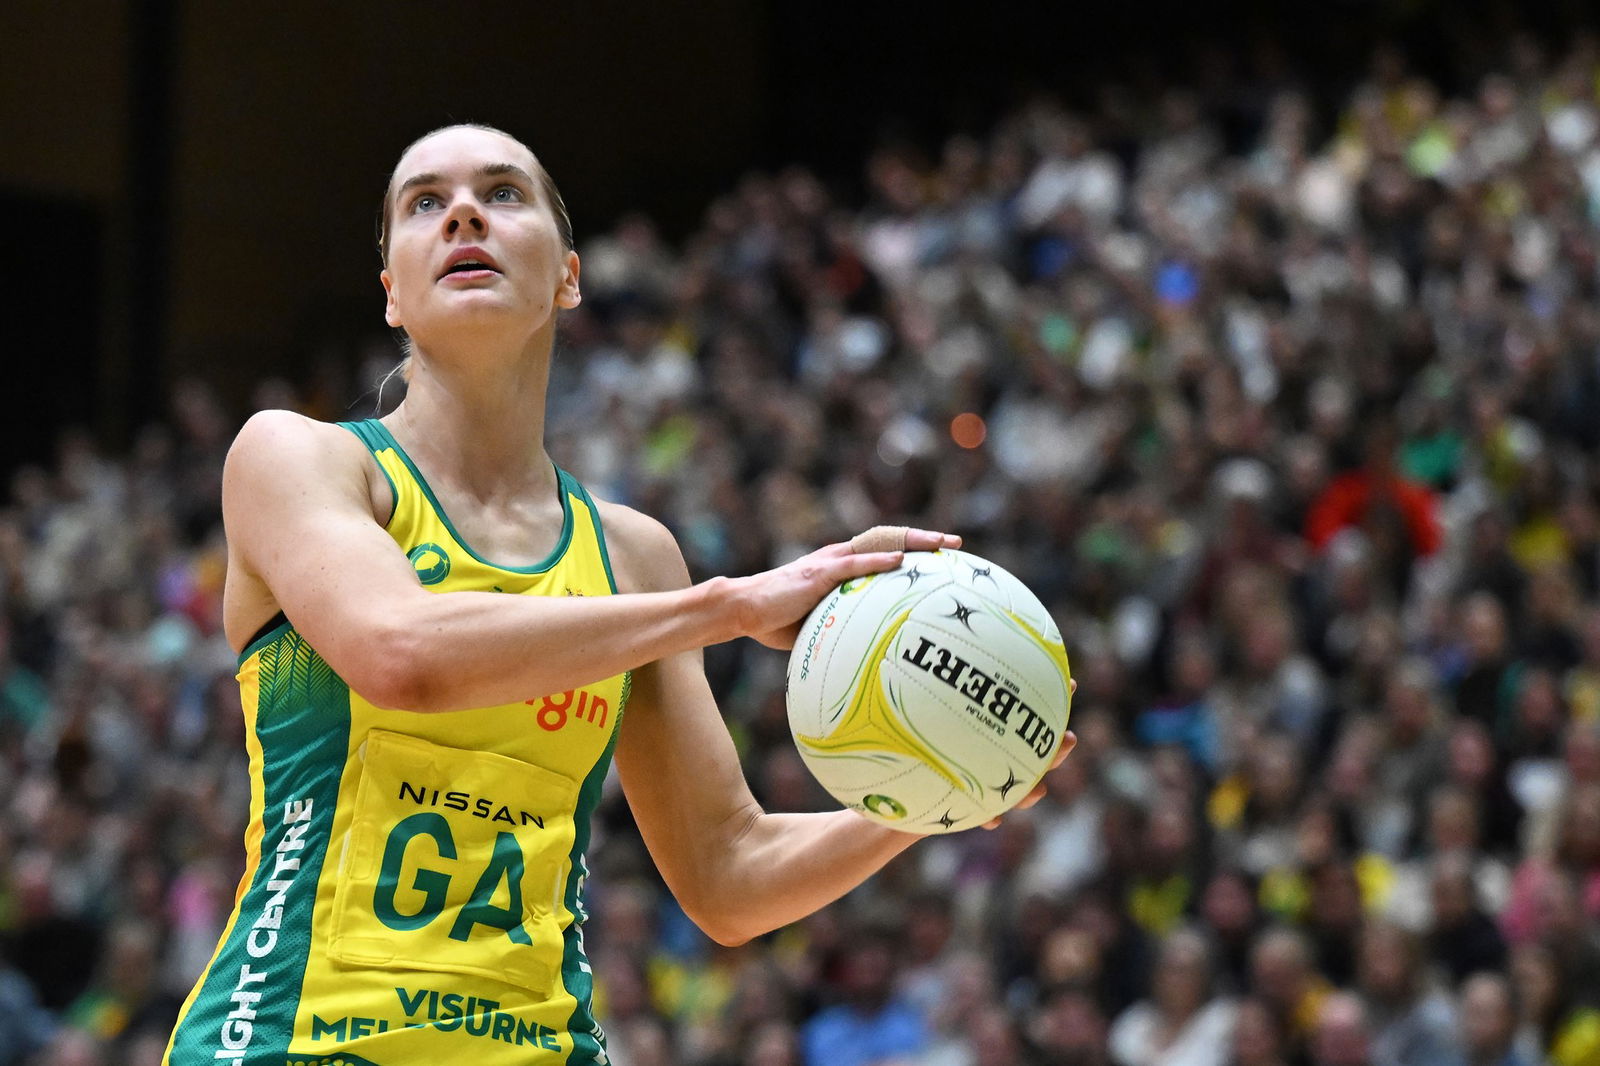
(430, 562)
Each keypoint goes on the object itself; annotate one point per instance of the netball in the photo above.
(930, 698)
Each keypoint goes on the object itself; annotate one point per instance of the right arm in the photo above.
(299, 520)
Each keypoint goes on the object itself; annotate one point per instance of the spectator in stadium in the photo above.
(1282, 975)
(1409, 1022)
(1488, 1022)
(1184, 1022)
(870, 1024)
(1342, 1035)
(1463, 938)
(1398, 516)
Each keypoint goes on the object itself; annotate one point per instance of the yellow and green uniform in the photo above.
(413, 887)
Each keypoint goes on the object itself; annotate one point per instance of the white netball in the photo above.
(930, 698)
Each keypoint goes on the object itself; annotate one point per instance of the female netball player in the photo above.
(424, 766)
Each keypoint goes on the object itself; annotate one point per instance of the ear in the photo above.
(391, 313)
(568, 295)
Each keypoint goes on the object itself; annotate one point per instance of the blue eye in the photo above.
(425, 202)
(506, 194)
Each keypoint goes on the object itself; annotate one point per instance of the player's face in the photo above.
(473, 240)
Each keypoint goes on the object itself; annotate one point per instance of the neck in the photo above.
(475, 415)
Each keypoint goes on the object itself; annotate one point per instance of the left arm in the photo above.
(736, 870)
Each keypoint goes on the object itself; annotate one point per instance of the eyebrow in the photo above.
(488, 170)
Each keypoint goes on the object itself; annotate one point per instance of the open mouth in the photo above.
(469, 262)
(474, 267)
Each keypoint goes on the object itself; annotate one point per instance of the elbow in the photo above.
(728, 908)
(729, 930)
(399, 690)
(732, 940)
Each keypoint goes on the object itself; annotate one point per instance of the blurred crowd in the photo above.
(1287, 406)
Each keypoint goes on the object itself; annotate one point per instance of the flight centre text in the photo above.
(239, 1026)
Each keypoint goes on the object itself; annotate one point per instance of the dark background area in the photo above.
(191, 187)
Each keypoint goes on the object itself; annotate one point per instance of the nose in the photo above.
(465, 213)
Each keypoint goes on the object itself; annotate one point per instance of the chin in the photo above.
(483, 320)
(473, 308)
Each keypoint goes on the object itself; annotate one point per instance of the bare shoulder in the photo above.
(283, 452)
(645, 556)
(287, 478)
(276, 435)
